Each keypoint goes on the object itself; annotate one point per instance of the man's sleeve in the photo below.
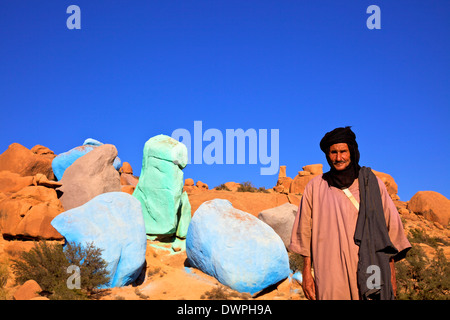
(301, 231)
(394, 224)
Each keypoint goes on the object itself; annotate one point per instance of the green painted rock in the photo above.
(160, 187)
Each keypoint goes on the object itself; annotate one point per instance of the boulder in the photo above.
(299, 183)
(202, 186)
(27, 214)
(390, 184)
(89, 176)
(235, 247)
(64, 160)
(233, 186)
(281, 220)
(128, 189)
(19, 159)
(432, 205)
(13, 182)
(283, 185)
(282, 172)
(189, 182)
(126, 168)
(28, 290)
(160, 185)
(43, 151)
(113, 222)
(314, 169)
(128, 179)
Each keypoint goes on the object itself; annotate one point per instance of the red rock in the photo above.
(126, 168)
(202, 186)
(233, 186)
(13, 182)
(299, 183)
(389, 182)
(28, 213)
(128, 189)
(43, 151)
(432, 205)
(251, 202)
(314, 169)
(19, 159)
(189, 182)
(29, 290)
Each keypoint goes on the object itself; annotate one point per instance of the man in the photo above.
(350, 243)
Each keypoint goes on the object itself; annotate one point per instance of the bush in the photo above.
(246, 187)
(222, 187)
(4, 275)
(48, 266)
(418, 278)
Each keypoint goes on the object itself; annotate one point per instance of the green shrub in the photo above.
(246, 187)
(48, 264)
(4, 275)
(222, 187)
(418, 278)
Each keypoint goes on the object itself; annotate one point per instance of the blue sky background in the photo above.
(137, 69)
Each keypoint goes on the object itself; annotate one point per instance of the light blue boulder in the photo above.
(113, 222)
(62, 161)
(235, 247)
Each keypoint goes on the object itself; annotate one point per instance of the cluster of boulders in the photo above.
(88, 195)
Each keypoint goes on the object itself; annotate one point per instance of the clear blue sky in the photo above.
(137, 69)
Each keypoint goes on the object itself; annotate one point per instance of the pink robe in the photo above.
(324, 229)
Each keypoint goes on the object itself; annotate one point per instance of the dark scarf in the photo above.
(372, 237)
(341, 178)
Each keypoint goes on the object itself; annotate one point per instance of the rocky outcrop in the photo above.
(251, 202)
(190, 187)
(27, 214)
(128, 181)
(18, 159)
(28, 290)
(431, 205)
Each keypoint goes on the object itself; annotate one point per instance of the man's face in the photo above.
(339, 156)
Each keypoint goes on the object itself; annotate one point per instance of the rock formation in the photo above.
(27, 214)
(18, 159)
(281, 220)
(432, 205)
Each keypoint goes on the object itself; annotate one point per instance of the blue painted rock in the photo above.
(235, 247)
(64, 160)
(113, 222)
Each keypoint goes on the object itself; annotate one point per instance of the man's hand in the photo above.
(308, 284)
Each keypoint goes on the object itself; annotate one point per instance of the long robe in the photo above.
(323, 230)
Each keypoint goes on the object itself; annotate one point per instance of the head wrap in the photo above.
(341, 178)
